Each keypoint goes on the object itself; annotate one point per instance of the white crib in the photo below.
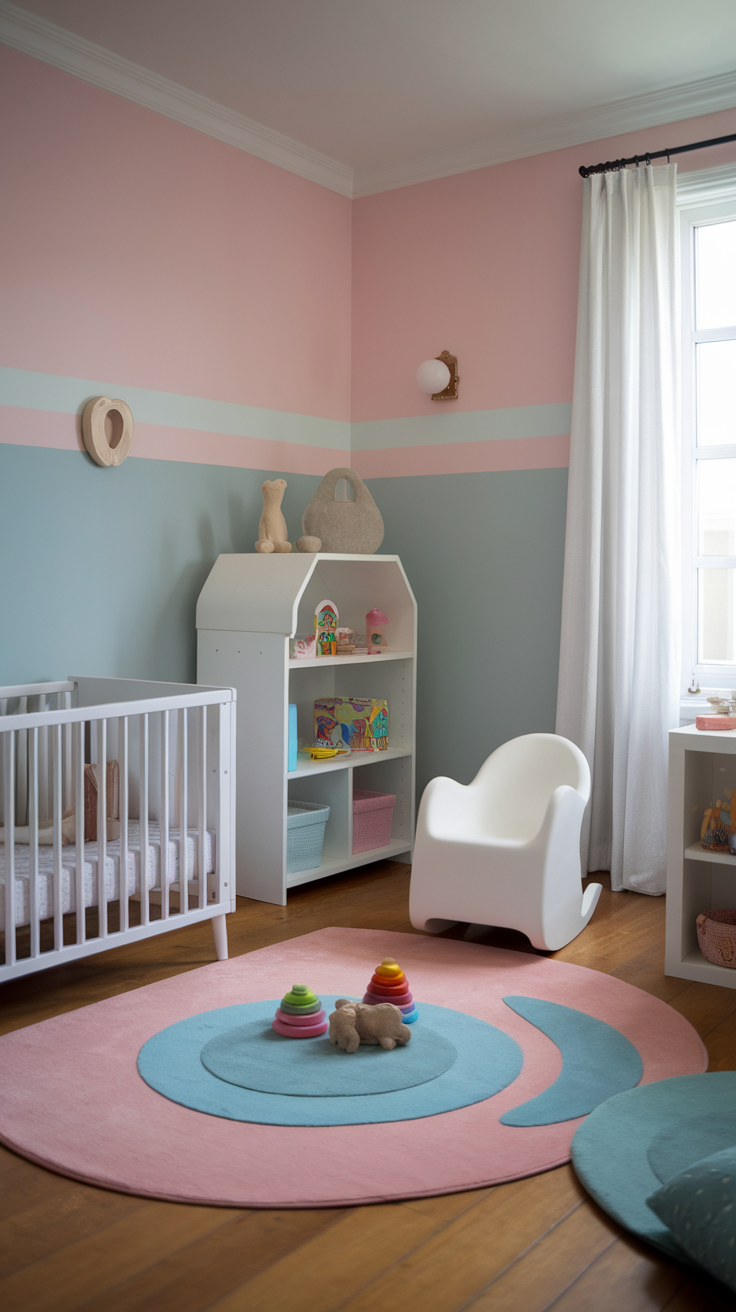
(115, 794)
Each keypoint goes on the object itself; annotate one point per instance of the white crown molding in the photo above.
(706, 186)
(54, 45)
(102, 68)
(621, 116)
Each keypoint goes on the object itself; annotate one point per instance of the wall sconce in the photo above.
(439, 377)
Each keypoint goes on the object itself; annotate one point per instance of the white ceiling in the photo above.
(389, 88)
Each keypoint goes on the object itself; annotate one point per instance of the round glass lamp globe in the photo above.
(433, 376)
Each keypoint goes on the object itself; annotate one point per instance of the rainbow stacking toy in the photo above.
(389, 984)
(300, 1015)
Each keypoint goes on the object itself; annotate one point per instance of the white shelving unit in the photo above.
(702, 767)
(248, 609)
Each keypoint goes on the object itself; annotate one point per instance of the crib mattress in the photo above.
(45, 882)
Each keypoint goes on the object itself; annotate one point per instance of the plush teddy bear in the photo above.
(272, 528)
(353, 1023)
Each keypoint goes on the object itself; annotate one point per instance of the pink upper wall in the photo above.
(140, 251)
(485, 265)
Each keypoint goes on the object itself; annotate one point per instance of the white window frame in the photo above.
(702, 198)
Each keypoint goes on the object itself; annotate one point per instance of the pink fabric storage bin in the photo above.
(372, 815)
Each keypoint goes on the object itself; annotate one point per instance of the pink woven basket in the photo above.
(372, 816)
(717, 937)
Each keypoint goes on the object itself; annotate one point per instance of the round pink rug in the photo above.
(71, 1097)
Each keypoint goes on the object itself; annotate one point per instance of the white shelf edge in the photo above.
(342, 864)
(697, 853)
(310, 662)
(693, 966)
(308, 769)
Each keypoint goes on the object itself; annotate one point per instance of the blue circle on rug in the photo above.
(610, 1150)
(487, 1061)
(255, 1057)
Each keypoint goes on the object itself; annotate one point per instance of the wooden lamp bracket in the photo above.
(450, 392)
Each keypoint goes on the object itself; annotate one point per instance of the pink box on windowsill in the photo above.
(715, 722)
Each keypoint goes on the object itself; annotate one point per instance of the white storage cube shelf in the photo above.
(248, 609)
(702, 766)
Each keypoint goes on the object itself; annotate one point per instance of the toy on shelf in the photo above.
(719, 824)
(352, 1023)
(272, 530)
(303, 647)
(389, 984)
(327, 753)
(300, 1015)
(345, 641)
(375, 638)
(325, 629)
(360, 723)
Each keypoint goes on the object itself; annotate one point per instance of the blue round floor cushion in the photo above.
(255, 1057)
(451, 1061)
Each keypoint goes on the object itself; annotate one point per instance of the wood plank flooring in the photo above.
(529, 1246)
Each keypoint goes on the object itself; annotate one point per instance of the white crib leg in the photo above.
(219, 934)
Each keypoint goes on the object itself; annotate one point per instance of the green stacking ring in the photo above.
(291, 1010)
(300, 996)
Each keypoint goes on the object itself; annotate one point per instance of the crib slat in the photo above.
(21, 766)
(202, 807)
(143, 863)
(183, 818)
(56, 780)
(65, 699)
(9, 754)
(123, 873)
(78, 752)
(33, 840)
(164, 817)
(101, 736)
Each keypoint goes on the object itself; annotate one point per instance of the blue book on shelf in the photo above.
(292, 737)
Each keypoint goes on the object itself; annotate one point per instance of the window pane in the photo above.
(715, 275)
(716, 616)
(717, 507)
(716, 382)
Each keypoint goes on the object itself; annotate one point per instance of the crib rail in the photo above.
(114, 804)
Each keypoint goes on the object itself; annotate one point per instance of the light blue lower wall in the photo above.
(101, 568)
(484, 555)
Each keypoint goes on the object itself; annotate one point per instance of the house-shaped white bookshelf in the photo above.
(248, 609)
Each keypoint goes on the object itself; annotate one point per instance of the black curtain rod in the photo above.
(613, 164)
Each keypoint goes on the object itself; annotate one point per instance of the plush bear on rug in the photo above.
(353, 1023)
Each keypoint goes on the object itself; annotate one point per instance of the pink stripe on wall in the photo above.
(485, 265)
(146, 251)
(465, 458)
(46, 428)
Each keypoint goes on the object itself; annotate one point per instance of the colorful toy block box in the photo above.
(360, 723)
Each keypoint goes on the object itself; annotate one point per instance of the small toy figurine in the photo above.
(272, 528)
(375, 637)
(352, 1023)
(325, 628)
(300, 1015)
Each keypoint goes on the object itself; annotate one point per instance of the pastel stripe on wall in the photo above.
(62, 432)
(38, 409)
(465, 458)
(480, 441)
(450, 427)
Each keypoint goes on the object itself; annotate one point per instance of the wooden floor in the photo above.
(532, 1245)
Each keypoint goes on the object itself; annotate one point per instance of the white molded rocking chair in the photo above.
(505, 849)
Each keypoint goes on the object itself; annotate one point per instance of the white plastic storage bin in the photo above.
(305, 835)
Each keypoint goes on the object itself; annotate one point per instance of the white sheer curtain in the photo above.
(619, 652)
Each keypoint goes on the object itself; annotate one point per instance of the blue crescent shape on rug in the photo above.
(597, 1062)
